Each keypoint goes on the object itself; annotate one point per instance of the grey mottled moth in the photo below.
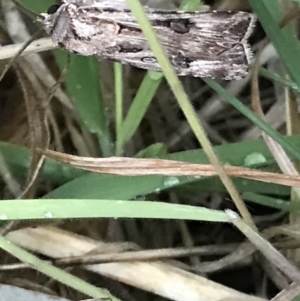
(199, 44)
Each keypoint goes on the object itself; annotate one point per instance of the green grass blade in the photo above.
(190, 5)
(292, 149)
(284, 40)
(84, 88)
(119, 103)
(279, 79)
(145, 93)
(88, 208)
(138, 109)
(268, 201)
(83, 184)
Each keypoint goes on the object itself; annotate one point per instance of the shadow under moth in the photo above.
(200, 44)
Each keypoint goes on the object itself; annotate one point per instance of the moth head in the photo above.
(49, 17)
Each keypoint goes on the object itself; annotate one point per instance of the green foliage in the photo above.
(82, 83)
(82, 194)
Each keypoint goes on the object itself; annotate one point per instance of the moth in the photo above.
(199, 44)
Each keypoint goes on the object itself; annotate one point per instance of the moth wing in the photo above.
(204, 44)
(199, 44)
(234, 26)
(184, 65)
(102, 4)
